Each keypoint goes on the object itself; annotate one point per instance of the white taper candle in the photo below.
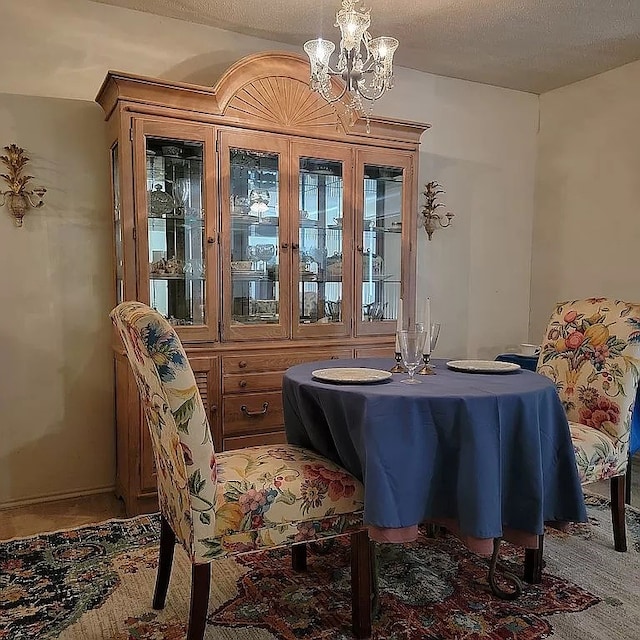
(399, 325)
(427, 326)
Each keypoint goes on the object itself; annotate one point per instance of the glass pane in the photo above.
(117, 224)
(321, 192)
(176, 230)
(255, 229)
(381, 242)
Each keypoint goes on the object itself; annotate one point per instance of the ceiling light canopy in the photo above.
(365, 64)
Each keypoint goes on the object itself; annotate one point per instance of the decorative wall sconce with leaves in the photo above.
(17, 197)
(430, 219)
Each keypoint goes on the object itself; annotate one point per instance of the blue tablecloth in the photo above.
(490, 451)
(531, 362)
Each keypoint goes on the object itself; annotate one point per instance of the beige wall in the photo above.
(482, 150)
(56, 390)
(587, 224)
(56, 406)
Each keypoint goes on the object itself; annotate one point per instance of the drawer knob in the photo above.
(334, 358)
(251, 414)
(242, 364)
(242, 383)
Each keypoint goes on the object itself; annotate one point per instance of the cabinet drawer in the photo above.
(238, 442)
(252, 413)
(242, 383)
(376, 352)
(255, 362)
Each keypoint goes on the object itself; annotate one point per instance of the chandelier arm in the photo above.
(330, 98)
(369, 64)
(374, 96)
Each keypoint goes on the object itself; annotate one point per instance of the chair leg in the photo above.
(361, 579)
(617, 513)
(533, 563)
(165, 561)
(627, 490)
(200, 584)
(299, 557)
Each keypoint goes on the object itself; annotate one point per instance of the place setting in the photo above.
(482, 366)
(351, 375)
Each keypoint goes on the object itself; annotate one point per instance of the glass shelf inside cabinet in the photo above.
(176, 229)
(321, 204)
(381, 242)
(255, 227)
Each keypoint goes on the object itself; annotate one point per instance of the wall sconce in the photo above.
(430, 219)
(17, 197)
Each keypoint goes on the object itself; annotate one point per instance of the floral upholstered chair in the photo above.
(220, 504)
(591, 350)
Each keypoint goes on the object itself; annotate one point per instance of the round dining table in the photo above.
(490, 454)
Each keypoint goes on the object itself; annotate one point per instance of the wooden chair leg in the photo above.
(617, 513)
(165, 561)
(200, 584)
(361, 584)
(299, 557)
(533, 563)
(627, 490)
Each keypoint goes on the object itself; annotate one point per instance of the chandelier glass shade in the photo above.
(365, 64)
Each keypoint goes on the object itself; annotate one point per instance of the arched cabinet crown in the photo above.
(273, 89)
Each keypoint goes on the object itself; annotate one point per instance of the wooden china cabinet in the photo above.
(264, 228)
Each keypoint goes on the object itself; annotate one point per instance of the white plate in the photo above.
(482, 366)
(352, 375)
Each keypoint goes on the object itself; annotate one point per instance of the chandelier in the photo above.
(365, 64)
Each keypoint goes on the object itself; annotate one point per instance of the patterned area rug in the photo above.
(96, 583)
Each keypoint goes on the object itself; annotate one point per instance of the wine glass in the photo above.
(426, 357)
(181, 195)
(411, 348)
(433, 336)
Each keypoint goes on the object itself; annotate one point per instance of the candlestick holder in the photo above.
(426, 357)
(398, 368)
(426, 369)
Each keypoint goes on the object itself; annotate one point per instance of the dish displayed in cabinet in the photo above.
(160, 202)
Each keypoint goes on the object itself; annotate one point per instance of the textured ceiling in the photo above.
(531, 45)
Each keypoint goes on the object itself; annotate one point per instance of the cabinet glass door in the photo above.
(254, 224)
(176, 230)
(380, 245)
(323, 226)
(176, 242)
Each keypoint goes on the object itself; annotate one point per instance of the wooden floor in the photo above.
(20, 522)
